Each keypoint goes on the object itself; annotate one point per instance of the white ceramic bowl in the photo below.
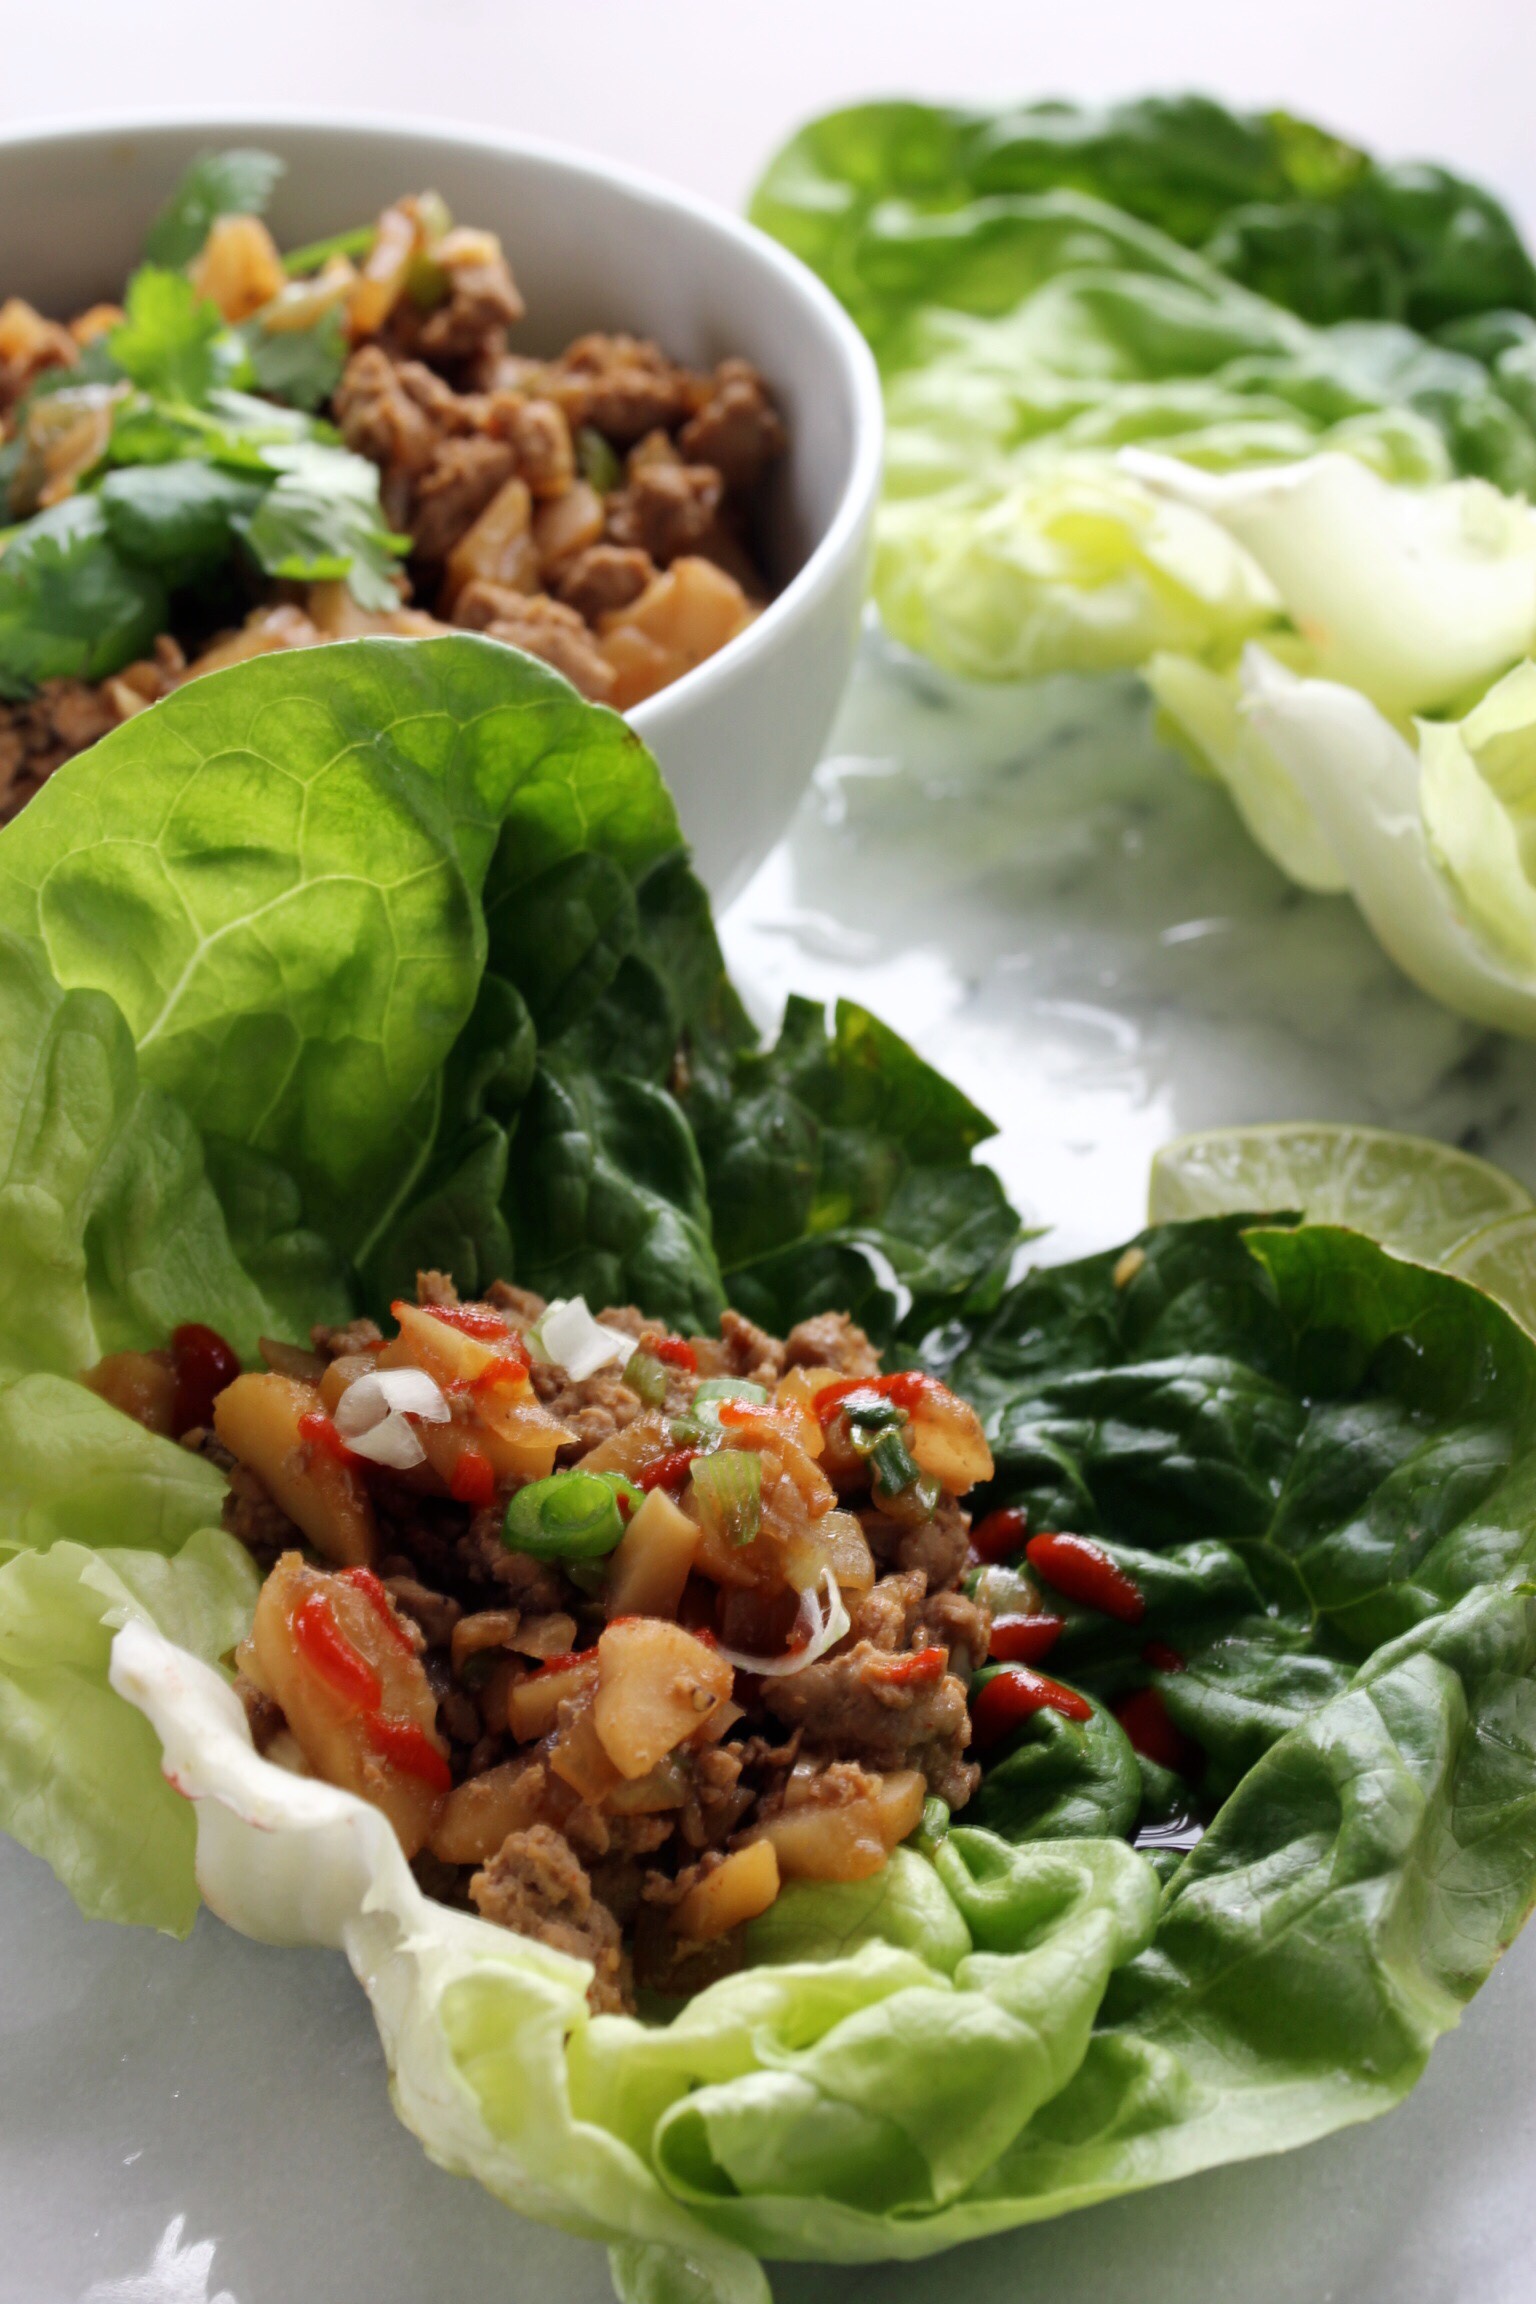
(591, 246)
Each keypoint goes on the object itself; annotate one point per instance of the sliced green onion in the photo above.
(892, 1462)
(868, 1413)
(644, 1374)
(600, 466)
(570, 1516)
(933, 1826)
(318, 253)
(729, 1388)
(729, 1488)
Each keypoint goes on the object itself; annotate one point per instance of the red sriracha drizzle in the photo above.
(411, 1750)
(204, 1364)
(1001, 1534)
(323, 1644)
(914, 1670)
(321, 1433)
(475, 1320)
(666, 1471)
(1162, 1658)
(1085, 1572)
(1025, 1639)
(908, 1388)
(473, 1479)
(673, 1350)
(1013, 1695)
(1144, 1717)
(364, 1580)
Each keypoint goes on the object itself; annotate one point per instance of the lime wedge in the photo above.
(1418, 1197)
(1502, 1260)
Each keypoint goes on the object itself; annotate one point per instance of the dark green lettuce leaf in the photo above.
(1287, 208)
(1296, 1445)
(838, 1159)
(1059, 1779)
(275, 874)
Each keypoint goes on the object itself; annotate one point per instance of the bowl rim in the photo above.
(846, 525)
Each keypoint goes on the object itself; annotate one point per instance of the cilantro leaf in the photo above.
(176, 518)
(165, 345)
(322, 520)
(301, 366)
(71, 605)
(238, 183)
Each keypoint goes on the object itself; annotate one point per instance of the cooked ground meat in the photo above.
(545, 1844)
(602, 578)
(536, 1884)
(432, 396)
(455, 489)
(853, 1703)
(831, 1340)
(667, 507)
(738, 430)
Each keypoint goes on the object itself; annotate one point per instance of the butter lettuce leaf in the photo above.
(1045, 286)
(79, 1783)
(276, 876)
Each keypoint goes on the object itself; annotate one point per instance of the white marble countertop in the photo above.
(1056, 912)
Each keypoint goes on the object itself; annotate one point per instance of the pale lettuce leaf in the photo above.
(79, 1781)
(1416, 596)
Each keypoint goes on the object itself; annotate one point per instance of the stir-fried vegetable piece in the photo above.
(570, 1516)
(657, 1685)
(330, 1651)
(837, 1829)
(648, 1571)
(277, 1426)
(728, 1489)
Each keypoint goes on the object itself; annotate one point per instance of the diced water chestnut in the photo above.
(947, 1441)
(142, 1384)
(533, 1703)
(735, 1892)
(352, 1690)
(824, 1836)
(657, 1685)
(478, 1815)
(259, 1418)
(648, 1571)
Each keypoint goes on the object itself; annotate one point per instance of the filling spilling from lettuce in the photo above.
(388, 956)
(1218, 398)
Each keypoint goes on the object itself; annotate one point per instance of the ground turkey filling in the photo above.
(599, 510)
(576, 1747)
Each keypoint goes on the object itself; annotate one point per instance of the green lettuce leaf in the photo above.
(1425, 823)
(1046, 287)
(299, 989)
(80, 1782)
(1289, 209)
(338, 960)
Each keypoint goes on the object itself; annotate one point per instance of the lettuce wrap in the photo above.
(389, 953)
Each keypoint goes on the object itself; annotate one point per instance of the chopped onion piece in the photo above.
(825, 1630)
(568, 1335)
(392, 1442)
(371, 1415)
(405, 1391)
